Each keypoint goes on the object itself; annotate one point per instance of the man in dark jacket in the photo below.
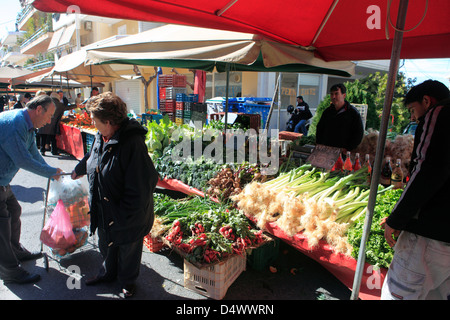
(421, 218)
(122, 179)
(304, 114)
(340, 125)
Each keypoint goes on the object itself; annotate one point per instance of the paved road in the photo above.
(161, 275)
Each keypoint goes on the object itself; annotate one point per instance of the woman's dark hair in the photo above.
(42, 100)
(432, 88)
(108, 107)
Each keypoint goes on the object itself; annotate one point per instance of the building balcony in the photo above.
(27, 13)
(15, 57)
(37, 43)
(40, 65)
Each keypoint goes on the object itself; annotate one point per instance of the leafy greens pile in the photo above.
(378, 252)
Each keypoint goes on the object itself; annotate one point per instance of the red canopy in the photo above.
(337, 30)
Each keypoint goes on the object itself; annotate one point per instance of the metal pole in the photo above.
(279, 100)
(393, 69)
(226, 96)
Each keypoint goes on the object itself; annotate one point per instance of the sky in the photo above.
(422, 69)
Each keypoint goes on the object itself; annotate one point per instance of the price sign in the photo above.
(324, 156)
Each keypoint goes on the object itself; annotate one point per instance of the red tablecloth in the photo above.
(172, 184)
(71, 141)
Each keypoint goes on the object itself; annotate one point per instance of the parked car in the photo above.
(410, 128)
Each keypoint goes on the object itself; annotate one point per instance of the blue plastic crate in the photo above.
(182, 97)
(90, 138)
(157, 117)
(192, 98)
(145, 118)
(254, 108)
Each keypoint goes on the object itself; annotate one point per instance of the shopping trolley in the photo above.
(78, 211)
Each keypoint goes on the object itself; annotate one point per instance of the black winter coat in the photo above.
(340, 129)
(122, 179)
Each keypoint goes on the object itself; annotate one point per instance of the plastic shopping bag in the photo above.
(57, 232)
(75, 198)
(67, 190)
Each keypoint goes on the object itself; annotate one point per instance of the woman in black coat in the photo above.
(122, 179)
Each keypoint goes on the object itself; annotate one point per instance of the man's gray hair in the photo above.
(42, 100)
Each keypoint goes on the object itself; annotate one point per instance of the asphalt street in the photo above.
(161, 276)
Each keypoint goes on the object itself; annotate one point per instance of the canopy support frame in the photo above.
(390, 86)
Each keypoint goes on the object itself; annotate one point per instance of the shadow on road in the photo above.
(29, 195)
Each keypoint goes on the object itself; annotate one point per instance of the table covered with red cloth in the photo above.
(70, 140)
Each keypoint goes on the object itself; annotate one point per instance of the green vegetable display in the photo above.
(378, 252)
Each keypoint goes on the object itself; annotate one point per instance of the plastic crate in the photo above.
(182, 97)
(156, 117)
(199, 107)
(162, 93)
(178, 121)
(179, 114)
(153, 244)
(146, 117)
(179, 105)
(187, 114)
(213, 281)
(89, 141)
(188, 106)
(260, 258)
(261, 109)
(171, 115)
(167, 106)
(192, 98)
(172, 80)
(172, 92)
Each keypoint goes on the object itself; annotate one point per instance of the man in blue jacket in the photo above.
(18, 150)
(420, 268)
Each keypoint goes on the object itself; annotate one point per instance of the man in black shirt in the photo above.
(420, 268)
(340, 125)
(304, 114)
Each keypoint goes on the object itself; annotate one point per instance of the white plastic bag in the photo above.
(67, 190)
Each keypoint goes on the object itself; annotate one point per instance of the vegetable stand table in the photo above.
(341, 266)
(70, 140)
(74, 140)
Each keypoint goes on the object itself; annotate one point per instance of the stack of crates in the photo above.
(170, 86)
(179, 112)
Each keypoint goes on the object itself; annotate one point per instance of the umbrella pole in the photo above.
(393, 69)
(279, 100)
(272, 103)
(226, 96)
(90, 72)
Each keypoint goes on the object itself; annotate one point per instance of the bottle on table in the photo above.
(339, 164)
(397, 175)
(386, 172)
(357, 163)
(348, 165)
(367, 163)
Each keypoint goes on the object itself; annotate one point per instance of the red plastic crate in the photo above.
(167, 106)
(153, 244)
(162, 93)
(172, 80)
(179, 105)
